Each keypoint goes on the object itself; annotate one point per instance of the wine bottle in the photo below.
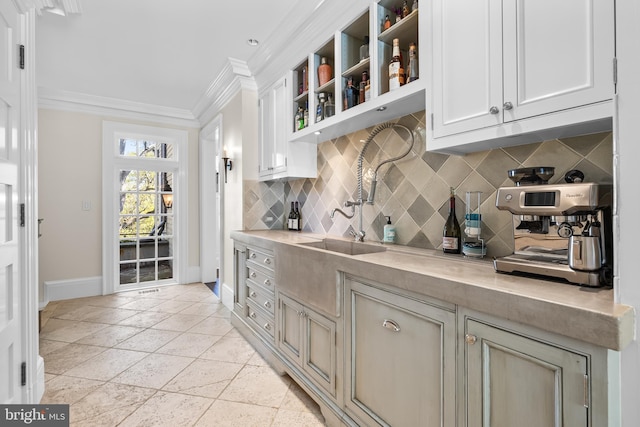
(451, 243)
(291, 218)
(298, 219)
(412, 67)
(396, 70)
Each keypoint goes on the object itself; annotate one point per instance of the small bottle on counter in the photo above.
(298, 218)
(389, 232)
(451, 235)
(291, 226)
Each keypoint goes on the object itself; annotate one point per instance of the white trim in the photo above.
(178, 165)
(226, 296)
(38, 384)
(57, 290)
(193, 274)
(118, 108)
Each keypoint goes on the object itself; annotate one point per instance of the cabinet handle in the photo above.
(494, 110)
(507, 105)
(252, 315)
(267, 261)
(252, 274)
(267, 282)
(392, 325)
(267, 304)
(252, 294)
(470, 339)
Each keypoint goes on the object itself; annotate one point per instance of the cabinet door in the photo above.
(400, 359)
(280, 122)
(557, 55)
(320, 349)
(265, 133)
(239, 278)
(516, 381)
(290, 328)
(467, 58)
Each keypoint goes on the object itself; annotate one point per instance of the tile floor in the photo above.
(169, 357)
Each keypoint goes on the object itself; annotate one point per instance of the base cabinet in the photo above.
(515, 380)
(400, 359)
(308, 339)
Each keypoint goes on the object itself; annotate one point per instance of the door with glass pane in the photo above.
(145, 213)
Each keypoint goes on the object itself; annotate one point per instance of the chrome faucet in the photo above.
(340, 211)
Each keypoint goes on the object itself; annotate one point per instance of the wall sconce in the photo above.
(167, 196)
(228, 165)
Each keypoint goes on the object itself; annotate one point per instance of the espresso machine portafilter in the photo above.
(559, 230)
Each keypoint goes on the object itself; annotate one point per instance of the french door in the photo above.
(143, 189)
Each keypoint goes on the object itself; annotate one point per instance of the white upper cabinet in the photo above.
(520, 70)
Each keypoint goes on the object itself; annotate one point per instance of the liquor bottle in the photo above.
(305, 115)
(324, 71)
(412, 67)
(363, 85)
(329, 107)
(387, 23)
(298, 219)
(351, 94)
(305, 80)
(364, 49)
(320, 107)
(291, 219)
(451, 233)
(405, 9)
(298, 120)
(396, 70)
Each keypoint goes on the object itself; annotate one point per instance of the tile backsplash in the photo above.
(414, 191)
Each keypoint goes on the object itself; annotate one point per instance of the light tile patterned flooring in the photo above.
(165, 358)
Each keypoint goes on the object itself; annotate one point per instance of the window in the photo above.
(143, 240)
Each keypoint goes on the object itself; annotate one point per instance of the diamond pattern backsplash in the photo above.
(414, 191)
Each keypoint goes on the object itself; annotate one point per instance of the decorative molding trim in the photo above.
(38, 383)
(56, 290)
(226, 296)
(112, 107)
(235, 76)
(61, 7)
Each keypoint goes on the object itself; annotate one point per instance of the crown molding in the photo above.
(60, 7)
(234, 77)
(82, 103)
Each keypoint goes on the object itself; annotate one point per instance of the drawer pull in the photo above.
(252, 315)
(267, 260)
(470, 339)
(391, 325)
(252, 294)
(267, 326)
(252, 274)
(253, 255)
(267, 282)
(267, 304)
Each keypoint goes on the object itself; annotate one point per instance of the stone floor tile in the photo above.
(212, 326)
(145, 319)
(286, 418)
(148, 340)
(61, 360)
(257, 385)
(163, 366)
(234, 414)
(69, 330)
(168, 409)
(67, 390)
(107, 364)
(236, 350)
(204, 378)
(179, 322)
(110, 336)
(189, 345)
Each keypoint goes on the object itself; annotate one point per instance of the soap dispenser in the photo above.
(389, 232)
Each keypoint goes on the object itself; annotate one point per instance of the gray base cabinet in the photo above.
(308, 339)
(400, 359)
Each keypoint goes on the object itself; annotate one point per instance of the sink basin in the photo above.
(345, 246)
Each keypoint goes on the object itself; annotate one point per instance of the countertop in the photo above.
(585, 314)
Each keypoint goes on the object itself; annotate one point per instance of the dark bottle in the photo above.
(451, 242)
(298, 219)
(329, 107)
(291, 219)
(351, 94)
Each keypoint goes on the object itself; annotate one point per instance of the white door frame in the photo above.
(211, 200)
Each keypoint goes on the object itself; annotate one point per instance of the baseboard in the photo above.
(57, 290)
(226, 296)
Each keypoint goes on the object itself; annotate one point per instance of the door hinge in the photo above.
(615, 71)
(22, 215)
(587, 391)
(23, 373)
(22, 57)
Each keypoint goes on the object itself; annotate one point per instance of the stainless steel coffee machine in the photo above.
(559, 230)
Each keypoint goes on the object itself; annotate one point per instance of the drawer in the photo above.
(260, 321)
(259, 297)
(258, 277)
(264, 260)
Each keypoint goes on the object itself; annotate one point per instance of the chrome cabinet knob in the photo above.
(252, 315)
(494, 110)
(267, 261)
(470, 339)
(253, 255)
(252, 294)
(252, 275)
(507, 105)
(267, 326)
(267, 304)
(267, 282)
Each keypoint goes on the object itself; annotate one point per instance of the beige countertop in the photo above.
(586, 314)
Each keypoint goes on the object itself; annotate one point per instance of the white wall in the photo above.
(70, 172)
(628, 194)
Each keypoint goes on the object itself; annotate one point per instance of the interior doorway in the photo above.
(211, 199)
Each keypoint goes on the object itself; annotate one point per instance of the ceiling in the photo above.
(156, 52)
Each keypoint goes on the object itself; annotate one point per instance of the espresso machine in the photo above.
(559, 230)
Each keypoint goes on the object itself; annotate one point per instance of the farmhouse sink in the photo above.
(345, 246)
